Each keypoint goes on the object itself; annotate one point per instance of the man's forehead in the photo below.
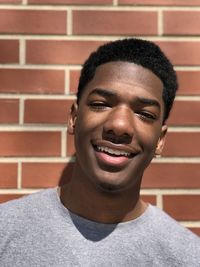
(127, 71)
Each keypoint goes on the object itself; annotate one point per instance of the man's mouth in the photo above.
(112, 152)
(113, 155)
(110, 156)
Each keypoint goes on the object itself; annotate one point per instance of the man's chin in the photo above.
(113, 186)
(110, 188)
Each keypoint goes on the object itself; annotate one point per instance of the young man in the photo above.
(125, 94)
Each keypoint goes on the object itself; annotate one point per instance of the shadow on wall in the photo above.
(66, 173)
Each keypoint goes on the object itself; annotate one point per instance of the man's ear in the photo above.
(72, 118)
(161, 141)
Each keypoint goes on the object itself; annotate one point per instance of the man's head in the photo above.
(140, 52)
(125, 93)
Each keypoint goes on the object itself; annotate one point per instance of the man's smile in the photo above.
(113, 154)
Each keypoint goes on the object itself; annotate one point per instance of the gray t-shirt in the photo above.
(39, 231)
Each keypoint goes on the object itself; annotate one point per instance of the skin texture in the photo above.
(121, 109)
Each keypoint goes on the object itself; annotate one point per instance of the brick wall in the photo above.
(42, 46)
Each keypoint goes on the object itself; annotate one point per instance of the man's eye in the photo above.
(98, 105)
(146, 116)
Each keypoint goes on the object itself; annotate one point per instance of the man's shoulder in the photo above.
(25, 207)
(170, 233)
(28, 199)
(170, 240)
(168, 225)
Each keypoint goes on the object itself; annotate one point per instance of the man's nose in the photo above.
(118, 127)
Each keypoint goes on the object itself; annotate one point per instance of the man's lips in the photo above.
(111, 154)
(114, 149)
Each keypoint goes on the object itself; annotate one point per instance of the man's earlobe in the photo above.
(161, 141)
(72, 119)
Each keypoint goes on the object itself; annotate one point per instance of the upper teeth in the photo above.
(113, 151)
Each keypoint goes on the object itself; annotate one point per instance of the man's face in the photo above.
(118, 125)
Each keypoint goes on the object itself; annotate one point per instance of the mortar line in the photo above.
(40, 67)
(37, 160)
(100, 38)
(171, 191)
(19, 175)
(67, 82)
(186, 98)
(21, 111)
(160, 22)
(19, 191)
(61, 7)
(42, 97)
(69, 21)
(190, 223)
(159, 201)
(33, 128)
(22, 51)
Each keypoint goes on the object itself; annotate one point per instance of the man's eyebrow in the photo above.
(110, 93)
(149, 102)
(103, 92)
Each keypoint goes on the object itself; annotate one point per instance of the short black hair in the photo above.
(141, 52)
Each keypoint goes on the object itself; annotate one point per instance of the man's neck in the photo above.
(91, 203)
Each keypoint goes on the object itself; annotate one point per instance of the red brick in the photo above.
(9, 111)
(115, 22)
(47, 111)
(70, 145)
(59, 52)
(32, 21)
(9, 51)
(32, 81)
(181, 23)
(182, 53)
(75, 52)
(48, 174)
(185, 113)
(161, 3)
(30, 143)
(149, 199)
(7, 197)
(74, 78)
(182, 207)
(180, 144)
(10, 1)
(195, 230)
(189, 82)
(72, 2)
(8, 175)
(172, 175)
